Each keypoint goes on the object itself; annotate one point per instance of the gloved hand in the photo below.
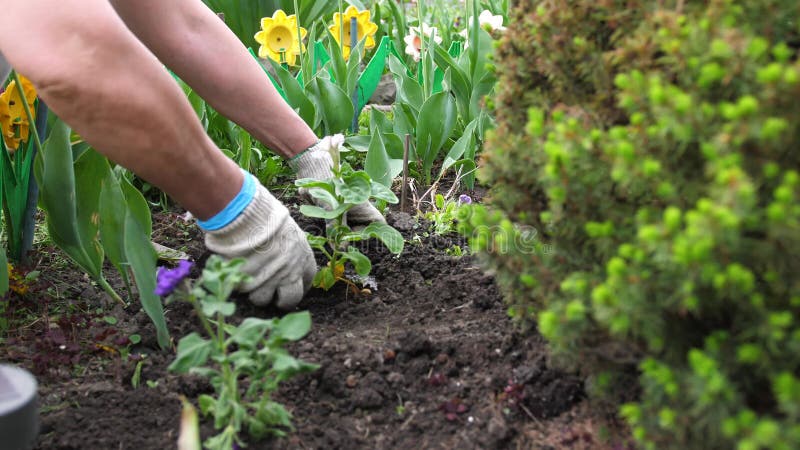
(277, 254)
(316, 163)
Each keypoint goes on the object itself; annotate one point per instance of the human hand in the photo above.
(316, 163)
(276, 253)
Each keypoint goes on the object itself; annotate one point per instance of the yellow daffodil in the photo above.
(14, 124)
(364, 27)
(278, 38)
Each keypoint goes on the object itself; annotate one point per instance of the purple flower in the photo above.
(168, 279)
(464, 199)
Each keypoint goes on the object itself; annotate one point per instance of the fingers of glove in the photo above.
(364, 214)
(289, 294)
(263, 295)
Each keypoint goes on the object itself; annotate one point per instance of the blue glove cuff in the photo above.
(235, 207)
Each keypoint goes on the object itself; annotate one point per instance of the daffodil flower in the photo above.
(414, 41)
(364, 28)
(14, 125)
(490, 21)
(278, 38)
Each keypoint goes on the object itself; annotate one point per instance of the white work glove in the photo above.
(276, 252)
(316, 163)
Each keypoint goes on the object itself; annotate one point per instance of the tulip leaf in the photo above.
(3, 272)
(142, 259)
(333, 104)
(378, 165)
(436, 121)
(465, 142)
(113, 208)
(296, 96)
(409, 90)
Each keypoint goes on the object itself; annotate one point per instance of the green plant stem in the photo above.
(341, 26)
(31, 122)
(300, 44)
(422, 48)
(110, 291)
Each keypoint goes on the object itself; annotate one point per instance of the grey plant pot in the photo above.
(19, 412)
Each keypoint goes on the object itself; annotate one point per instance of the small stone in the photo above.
(396, 378)
(441, 358)
(389, 356)
(403, 221)
(351, 381)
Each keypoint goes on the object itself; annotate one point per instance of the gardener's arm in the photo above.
(94, 73)
(192, 41)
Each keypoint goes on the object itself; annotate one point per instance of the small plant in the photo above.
(445, 212)
(347, 188)
(233, 353)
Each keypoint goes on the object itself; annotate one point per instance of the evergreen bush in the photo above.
(655, 145)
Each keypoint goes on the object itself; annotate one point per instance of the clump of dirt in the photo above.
(429, 359)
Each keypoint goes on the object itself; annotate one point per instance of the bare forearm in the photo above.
(191, 40)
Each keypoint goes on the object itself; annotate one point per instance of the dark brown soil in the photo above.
(429, 360)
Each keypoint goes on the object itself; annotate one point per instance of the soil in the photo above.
(429, 359)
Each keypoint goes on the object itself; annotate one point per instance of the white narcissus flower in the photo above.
(491, 21)
(414, 42)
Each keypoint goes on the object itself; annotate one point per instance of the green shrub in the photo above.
(655, 145)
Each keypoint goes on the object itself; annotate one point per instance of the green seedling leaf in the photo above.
(390, 237)
(250, 332)
(324, 196)
(322, 213)
(309, 183)
(293, 326)
(360, 262)
(324, 278)
(193, 351)
(355, 189)
(382, 192)
(316, 241)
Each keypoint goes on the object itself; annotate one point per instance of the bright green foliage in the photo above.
(253, 350)
(94, 214)
(339, 194)
(654, 146)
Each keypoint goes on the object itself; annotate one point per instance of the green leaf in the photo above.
(314, 183)
(324, 278)
(390, 237)
(333, 104)
(317, 242)
(324, 196)
(3, 272)
(361, 263)
(466, 141)
(356, 188)
(251, 331)
(435, 123)
(113, 209)
(321, 213)
(360, 143)
(382, 192)
(142, 259)
(380, 167)
(409, 90)
(193, 351)
(296, 97)
(293, 326)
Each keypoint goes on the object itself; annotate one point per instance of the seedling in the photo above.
(337, 195)
(252, 352)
